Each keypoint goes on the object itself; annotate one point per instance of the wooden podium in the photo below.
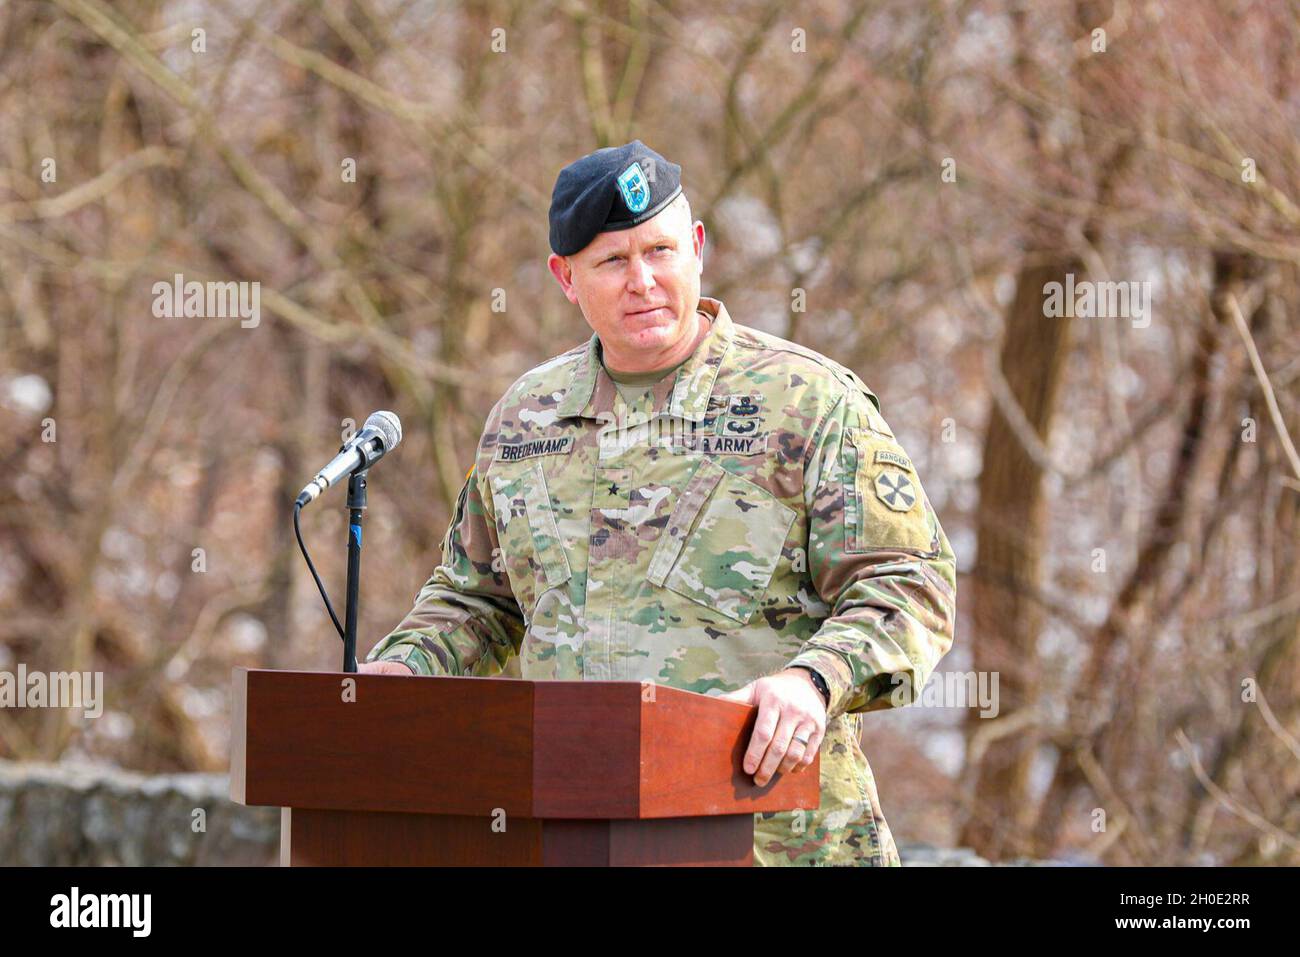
(388, 769)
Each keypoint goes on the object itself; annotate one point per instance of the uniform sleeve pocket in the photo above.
(457, 516)
(885, 499)
(722, 542)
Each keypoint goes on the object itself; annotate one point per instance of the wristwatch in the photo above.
(818, 682)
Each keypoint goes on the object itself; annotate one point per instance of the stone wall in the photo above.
(69, 814)
(61, 814)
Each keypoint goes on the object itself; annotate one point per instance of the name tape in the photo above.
(731, 444)
(514, 451)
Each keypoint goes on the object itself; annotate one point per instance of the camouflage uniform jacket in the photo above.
(753, 511)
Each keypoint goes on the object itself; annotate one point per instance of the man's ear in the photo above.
(697, 240)
(559, 266)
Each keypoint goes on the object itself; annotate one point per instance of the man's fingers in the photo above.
(798, 749)
(814, 744)
(764, 728)
(382, 667)
(776, 750)
(744, 695)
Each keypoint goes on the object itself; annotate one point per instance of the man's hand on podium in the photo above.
(383, 668)
(790, 708)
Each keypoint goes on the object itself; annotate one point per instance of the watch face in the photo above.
(821, 686)
(818, 682)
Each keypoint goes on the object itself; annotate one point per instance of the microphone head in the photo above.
(389, 426)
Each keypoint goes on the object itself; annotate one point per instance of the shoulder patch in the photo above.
(885, 501)
(895, 489)
(894, 458)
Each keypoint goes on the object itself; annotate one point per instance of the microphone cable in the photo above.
(297, 531)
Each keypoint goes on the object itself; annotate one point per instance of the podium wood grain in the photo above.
(387, 769)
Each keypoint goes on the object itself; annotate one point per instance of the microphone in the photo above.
(380, 435)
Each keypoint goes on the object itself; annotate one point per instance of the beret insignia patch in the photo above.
(635, 190)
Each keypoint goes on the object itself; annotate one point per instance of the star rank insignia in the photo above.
(896, 490)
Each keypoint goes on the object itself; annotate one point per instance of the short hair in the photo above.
(682, 202)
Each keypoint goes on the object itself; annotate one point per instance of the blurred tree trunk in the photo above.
(1009, 523)
(1198, 459)
(1007, 612)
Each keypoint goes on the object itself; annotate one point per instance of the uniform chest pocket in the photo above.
(528, 533)
(722, 542)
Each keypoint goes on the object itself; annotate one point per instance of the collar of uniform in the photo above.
(592, 389)
(694, 384)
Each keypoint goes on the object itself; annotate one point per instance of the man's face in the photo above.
(638, 288)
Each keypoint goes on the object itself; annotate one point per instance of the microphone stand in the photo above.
(356, 506)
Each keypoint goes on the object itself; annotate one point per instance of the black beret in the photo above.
(617, 187)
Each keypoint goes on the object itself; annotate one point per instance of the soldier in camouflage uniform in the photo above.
(746, 527)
